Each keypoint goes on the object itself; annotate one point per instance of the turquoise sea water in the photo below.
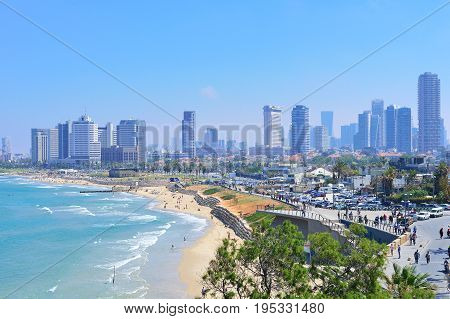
(41, 223)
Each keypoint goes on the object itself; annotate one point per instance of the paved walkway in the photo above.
(427, 240)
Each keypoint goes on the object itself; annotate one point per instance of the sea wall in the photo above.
(224, 215)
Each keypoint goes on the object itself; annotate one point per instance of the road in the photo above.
(428, 240)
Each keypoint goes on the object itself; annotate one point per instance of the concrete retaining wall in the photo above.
(379, 235)
(224, 215)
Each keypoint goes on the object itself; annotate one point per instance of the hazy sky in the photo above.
(223, 59)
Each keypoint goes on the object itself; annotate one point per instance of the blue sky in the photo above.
(223, 59)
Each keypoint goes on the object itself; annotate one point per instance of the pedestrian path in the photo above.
(427, 240)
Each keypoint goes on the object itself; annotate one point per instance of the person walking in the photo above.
(414, 238)
(399, 250)
(417, 256)
(392, 249)
(441, 232)
(428, 257)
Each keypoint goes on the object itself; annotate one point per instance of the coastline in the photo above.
(196, 256)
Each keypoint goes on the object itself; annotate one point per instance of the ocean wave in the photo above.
(46, 209)
(80, 210)
(139, 289)
(120, 263)
(142, 241)
(46, 187)
(167, 226)
(53, 289)
(142, 218)
(117, 199)
(198, 222)
(130, 271)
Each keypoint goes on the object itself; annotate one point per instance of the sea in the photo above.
(56, 242)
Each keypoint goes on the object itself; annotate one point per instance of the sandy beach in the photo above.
(196, 257)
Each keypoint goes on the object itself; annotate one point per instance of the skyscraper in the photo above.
(429, 111)
(443, 134)
(107, 135)
(211, 137)
(378, 109)
(132, 134)
(326, 120)
(6, 149)
(84, 144)
(188, 133)
(272, 127)
(321, 138)
(362, 138)
(64, 137)
(39, 146)
(374, 129)
(300, 130)
(415, 138)
(346, 136)
(53, 144)
(391, 126)
(404, 138)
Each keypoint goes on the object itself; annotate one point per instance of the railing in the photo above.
(385, 226)
(309, 215)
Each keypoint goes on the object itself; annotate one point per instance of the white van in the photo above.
(437, 212)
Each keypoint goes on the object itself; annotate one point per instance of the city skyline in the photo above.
(56, 79)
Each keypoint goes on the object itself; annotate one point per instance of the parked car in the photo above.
(423, 215)
(437, 212)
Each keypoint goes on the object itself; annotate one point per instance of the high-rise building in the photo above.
(64, 137)
(415, 138)
(404, 139)
(362, 138)
(272, 127)
(211, 137)
(6, 149)
(378, 109)
(84, 144)
(53, 144)
(346, 136)
(133, 133)
(300, 132)
(443, 134)
(374, 130)
(326, 120)
(107, 135)
(391, 126)
(429, 111)
(39, 146)
(321, 138)
(188, 133)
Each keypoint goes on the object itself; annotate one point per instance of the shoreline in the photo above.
(196, 256)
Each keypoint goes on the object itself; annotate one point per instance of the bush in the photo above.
(228, 196)
(211, 191)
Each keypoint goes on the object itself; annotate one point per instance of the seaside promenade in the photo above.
(427, 240)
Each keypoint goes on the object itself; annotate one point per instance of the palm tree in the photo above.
(405, 283)
(388, 180)
(340, 168)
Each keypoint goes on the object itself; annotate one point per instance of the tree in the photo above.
(340, 168)
(349, 270)
(441, 181)
(271, 265)
(388, 180)
(405, 283)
